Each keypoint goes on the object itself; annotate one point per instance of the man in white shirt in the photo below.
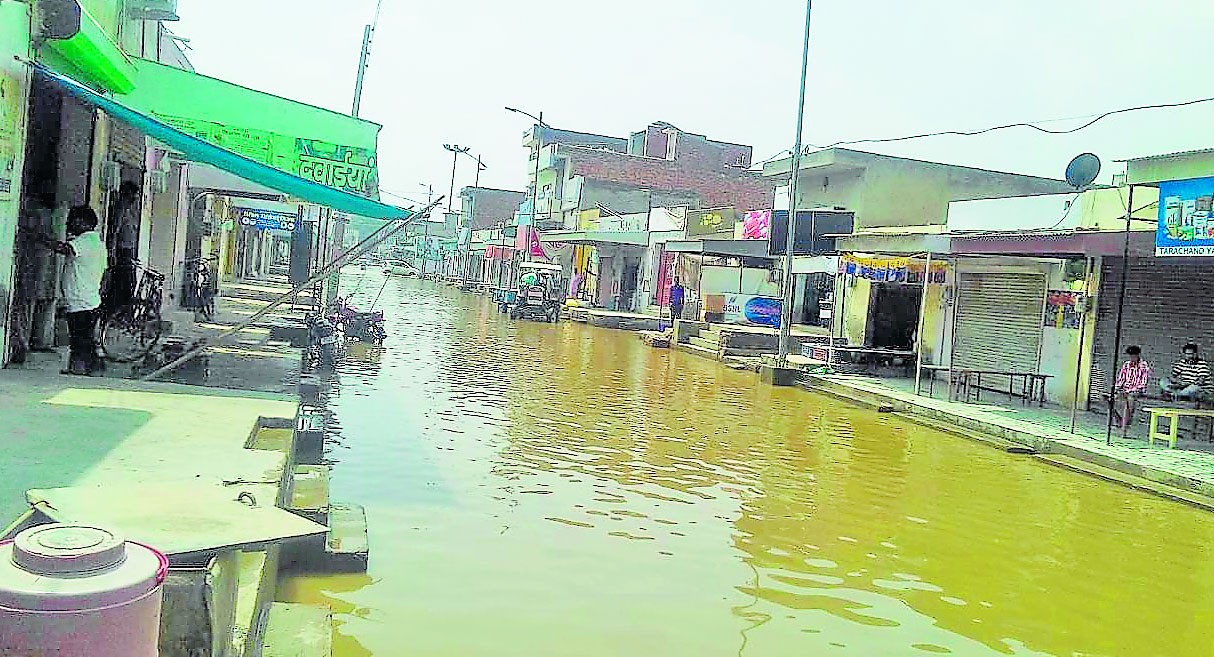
(84, 264)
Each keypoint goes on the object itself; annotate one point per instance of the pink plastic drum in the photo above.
(78, 591)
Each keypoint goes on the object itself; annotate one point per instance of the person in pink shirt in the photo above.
(1131, 385)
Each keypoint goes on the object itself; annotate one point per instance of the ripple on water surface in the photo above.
(558, 490)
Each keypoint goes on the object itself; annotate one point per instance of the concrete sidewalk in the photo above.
(62, 431)
(1189, 470)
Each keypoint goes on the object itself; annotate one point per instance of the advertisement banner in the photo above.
(1186, 227)
(752, 310)
(1064, 309)
(702, 223)
(267, 219)
(346, 168)
(892, 270)
(666, 276)
(756, 225)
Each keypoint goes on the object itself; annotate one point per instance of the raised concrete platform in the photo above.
(347, 545)
(616, 320)
(310, 493)
(1191, 472)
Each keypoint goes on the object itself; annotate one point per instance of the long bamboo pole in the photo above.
(374, 239)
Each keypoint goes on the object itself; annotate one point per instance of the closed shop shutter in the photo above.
(1166, 305)
(127, 145)
(999, 321)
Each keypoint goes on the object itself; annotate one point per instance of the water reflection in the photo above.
(550, 490)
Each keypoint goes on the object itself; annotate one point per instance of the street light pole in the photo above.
(455, 150)
(480, 166)
(786, 305)
(535, 186)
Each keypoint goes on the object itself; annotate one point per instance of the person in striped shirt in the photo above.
(1131, 385)
(1190, 377)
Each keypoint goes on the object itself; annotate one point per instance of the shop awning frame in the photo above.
(199, 150)
(725, 248)
(596, 237)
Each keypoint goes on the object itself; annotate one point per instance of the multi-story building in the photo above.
(485, 214)
(594, 195)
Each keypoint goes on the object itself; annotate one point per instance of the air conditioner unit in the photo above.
(152, 10)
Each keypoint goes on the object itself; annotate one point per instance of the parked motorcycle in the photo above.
(324, 340)
(358, 325)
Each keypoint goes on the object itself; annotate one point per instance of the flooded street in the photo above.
(560, 490)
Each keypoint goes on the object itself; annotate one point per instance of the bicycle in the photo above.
(132, 331)
(200, 286)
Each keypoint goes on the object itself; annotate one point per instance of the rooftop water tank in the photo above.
(79, 591)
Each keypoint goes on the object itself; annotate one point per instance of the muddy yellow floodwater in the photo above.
(561, 490)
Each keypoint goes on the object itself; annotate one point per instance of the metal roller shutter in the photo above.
(999, 321)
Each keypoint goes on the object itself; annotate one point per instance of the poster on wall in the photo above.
(756, 225)
(752, 310)
(346, 168)
(1186, 224)
(10, 108)
(711, 222)
(1063, 309)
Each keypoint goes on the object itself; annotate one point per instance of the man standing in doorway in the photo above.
(1190, 376)
(123, 245)
(84, 263)
(677, 295)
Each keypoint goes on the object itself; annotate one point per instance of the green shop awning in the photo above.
(305, 188)
(335, 150)
(80, 44)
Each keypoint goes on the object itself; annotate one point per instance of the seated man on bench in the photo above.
(1130, 387)
(1190, 377)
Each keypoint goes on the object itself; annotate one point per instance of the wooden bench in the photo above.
(1173, 415)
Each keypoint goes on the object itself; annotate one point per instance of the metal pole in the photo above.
(535, 188)
(927, 275)
(362, 70)
(1083, 327)
(952, 323)
(786, 305)
(382, 233)
(1125, 274)
(454, 161)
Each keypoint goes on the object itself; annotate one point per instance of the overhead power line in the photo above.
(1031, 125)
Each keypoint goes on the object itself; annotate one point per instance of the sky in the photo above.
(441, 72)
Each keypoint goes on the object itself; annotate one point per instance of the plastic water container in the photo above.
(79, 591)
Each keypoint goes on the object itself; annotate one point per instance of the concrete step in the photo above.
(294, 630)
(310, 493)
(346, 546)
(309, 436)
(748, 353)
(697, 350)
(705, 343)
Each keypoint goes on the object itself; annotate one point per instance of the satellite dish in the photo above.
(1082, 170)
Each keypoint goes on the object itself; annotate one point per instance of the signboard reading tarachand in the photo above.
(1186, 218)
(267, 219)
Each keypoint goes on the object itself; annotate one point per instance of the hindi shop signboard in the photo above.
(1186, 218)
(267, 219)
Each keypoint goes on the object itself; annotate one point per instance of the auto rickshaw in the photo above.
(539, 294)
